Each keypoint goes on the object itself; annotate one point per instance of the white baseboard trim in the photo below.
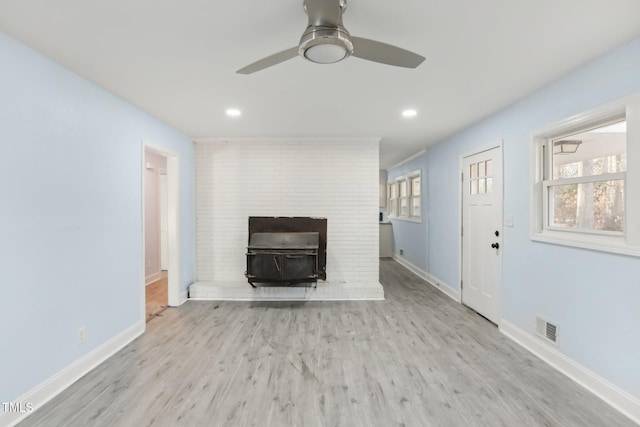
(184, 296)
(152, 278)
(53, 386)
(613, 395)
(410, 266)
(433, 280)
(454, 294)
(242, 291)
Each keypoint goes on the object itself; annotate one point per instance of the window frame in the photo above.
(406, 180)
(413, 197)
(625, 242)
(548, 181)
(392, 200)
(403, 185)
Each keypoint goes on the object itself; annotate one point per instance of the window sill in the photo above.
(405, 219)
(594, 243)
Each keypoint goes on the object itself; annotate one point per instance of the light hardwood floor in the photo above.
(156, 297)
(416, 359)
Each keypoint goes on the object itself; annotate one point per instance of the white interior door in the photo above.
(482, 232)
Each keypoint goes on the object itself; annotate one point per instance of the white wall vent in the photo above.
(547, 330)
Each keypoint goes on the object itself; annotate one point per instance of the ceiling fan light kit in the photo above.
(326, 41)
(325, 45)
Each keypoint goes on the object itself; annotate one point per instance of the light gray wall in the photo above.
(71, 215)
(593, 296)
(411, 236)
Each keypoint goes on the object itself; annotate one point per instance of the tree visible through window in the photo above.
(586, 189)
(585, 184)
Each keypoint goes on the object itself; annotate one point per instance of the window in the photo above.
(584, 183)
(392, 205)
(582, 188)
(415, 196)
(404, 198)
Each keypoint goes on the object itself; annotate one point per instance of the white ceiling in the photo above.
(177, 61)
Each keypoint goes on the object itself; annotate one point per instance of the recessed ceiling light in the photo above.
(409, 113)
(233, 112)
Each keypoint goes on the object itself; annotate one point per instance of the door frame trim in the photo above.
(496, 144)
(173, 222)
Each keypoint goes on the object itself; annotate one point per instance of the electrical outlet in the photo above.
(82, 335)
(401, 251)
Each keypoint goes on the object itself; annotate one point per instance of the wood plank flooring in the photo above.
(156, 297)
(416, 359)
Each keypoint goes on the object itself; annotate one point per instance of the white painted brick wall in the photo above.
(335, 178)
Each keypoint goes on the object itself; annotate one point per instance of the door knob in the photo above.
(495, 245)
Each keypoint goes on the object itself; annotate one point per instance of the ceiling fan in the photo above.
(326, 41)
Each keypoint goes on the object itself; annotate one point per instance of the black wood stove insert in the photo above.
(286, 250)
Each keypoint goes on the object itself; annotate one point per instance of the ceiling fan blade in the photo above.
(372, 50)
(270, 61)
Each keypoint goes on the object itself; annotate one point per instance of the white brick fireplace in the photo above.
(333, 178)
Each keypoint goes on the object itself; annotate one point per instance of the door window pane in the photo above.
(481, 169)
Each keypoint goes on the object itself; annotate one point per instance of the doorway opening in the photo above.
(161, 260)
(156, 297)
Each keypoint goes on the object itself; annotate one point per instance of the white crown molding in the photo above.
(408, 159)
(309, 139)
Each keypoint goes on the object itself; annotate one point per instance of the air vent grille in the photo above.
(551, 332)
(547, 330)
